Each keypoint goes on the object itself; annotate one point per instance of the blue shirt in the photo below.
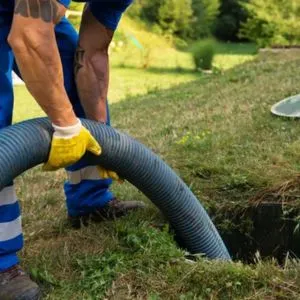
(66, 3)
(104, 2)
(107, 12)
(8, 5)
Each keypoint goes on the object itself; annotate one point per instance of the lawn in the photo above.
(157, 66)
(218, 134)
(166, 69)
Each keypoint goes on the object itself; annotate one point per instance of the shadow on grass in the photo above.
(236, 49)
(160, 70)
(176, 70)
(241, 72)
(223, 48)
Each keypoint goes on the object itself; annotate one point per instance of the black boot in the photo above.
(112, 210)
(15, 284)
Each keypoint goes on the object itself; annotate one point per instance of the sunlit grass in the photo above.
(166, 67)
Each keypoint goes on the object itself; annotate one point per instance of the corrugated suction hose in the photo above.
(25, 145)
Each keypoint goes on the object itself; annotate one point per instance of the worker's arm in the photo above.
(32, 39)
(92, 66)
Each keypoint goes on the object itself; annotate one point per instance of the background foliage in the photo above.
(232, 15)
(268, 22)
(205, 15)
(272, 22)
(189, 19)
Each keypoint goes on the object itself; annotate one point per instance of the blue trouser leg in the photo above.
(84, 190)
(11, 238)
(83, 196)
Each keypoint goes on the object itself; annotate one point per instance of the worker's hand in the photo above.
(106, 174)
(69, 144)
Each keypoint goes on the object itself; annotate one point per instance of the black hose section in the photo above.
(25, 145)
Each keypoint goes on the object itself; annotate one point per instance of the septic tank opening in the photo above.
(268, 223)
(274, 233)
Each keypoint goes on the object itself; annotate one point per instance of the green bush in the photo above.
(203, 54)
(272, 22)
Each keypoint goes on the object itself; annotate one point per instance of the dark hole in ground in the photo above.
(268, 228)
(265, 226)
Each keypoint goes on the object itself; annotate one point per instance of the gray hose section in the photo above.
(25, 145)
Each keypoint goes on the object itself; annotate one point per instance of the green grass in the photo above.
(25, 107)
(139, 72)
(166, 68)
(218, 134)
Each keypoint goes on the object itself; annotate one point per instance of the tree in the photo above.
(205, 14)
(146, 10)
(272, 22)
(232, 15)
(174, 16)
(187, 19)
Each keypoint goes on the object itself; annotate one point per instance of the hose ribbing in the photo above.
(25, 145)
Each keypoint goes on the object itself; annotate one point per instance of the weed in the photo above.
(98, 273)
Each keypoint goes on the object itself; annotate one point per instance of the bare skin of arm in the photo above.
(32, 39)
(92, 66)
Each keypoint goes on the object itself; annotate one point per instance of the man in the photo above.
(37, 42)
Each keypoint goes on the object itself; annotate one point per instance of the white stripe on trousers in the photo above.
(8, 196)
(10, 230)
(88, 173)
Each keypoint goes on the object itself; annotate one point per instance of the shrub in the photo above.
(272, 22)
(203, 54)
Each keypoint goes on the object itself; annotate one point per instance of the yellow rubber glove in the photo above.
(106, 174)
(69, 144)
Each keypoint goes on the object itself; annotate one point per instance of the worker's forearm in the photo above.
(92, 66)
(92, 78)
(39, 63)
